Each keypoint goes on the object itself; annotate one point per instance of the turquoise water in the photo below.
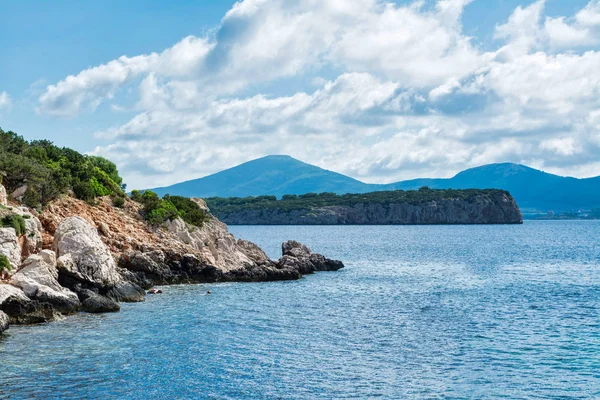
(419, 312)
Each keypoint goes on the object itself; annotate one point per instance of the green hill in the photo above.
(280, 175)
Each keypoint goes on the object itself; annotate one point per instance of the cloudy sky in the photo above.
(381, 91)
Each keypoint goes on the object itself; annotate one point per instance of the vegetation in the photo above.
(49, 171)
(157, 210)
(222, 206)
(4, 263)
(14, 221)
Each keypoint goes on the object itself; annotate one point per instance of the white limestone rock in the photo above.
(3, 196)
(10, 247)
(82, 254)
(38, 278)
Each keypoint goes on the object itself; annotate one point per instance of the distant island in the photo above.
(413, 207)
(539, 194)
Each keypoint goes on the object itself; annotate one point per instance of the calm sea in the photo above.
(419, 312)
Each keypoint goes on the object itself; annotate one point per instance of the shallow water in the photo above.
(419, 312)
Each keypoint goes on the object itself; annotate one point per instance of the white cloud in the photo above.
(5, 101)
(90, 87)
(409, 93)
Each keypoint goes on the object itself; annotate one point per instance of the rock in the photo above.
(201, 203)
(38, 280)
(7, 291)
(297, 256)
(10, 247)
(19, 193)
(104, 229)
(85, 260)
(252, 251)
(82, 254)
(21, 309)
(213, 241)
(94, 303)
(3, 196)
(4, 322)
(33, 238)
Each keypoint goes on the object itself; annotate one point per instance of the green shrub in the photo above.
(157, 210)
(4, 263)
(164, 211)
(118, 201)
(14, 221)
(188, 210)
(50, 171)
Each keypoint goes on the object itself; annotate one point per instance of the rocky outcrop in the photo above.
(84, 263)
(153, 269)
(10, 247)
(3, 196)
(300, 257)
(33, 239)
(79, 273)
(499, 208)
(38, 278)
(4, 322)
(20, 309)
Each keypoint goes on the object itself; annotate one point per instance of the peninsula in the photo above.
(413, 207)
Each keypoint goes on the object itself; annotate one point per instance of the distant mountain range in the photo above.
(279, 175)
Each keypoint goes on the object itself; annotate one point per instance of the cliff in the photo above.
(478, 207)
(74, 257)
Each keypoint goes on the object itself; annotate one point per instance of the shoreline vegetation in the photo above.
(411, 207)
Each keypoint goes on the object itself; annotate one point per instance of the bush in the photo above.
(118, 201)
(14, 221)
(50, 171)
(189, 211)
(163, 212)
(4, 263)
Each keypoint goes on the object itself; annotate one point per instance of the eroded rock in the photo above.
(4, 322)
(10, 247)
(38, 278)
(3, 196)
(85, 262)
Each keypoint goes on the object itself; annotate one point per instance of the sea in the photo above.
(419, 312)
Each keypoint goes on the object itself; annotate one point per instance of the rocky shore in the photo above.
(486, 208)
(76, 257)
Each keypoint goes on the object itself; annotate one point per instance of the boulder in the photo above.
(85, 262)
(201, 204)
(19, 193)
(7, 291)
(82, 254)
(38, 278)
(33, 238)
(95, 303)
(4, 322)
(21, 309)
(297, 256)
(10, 247)
(3, 196)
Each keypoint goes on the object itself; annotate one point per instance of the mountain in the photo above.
(279, 175)
(271, 175)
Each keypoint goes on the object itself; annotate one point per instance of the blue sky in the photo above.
(378, 90)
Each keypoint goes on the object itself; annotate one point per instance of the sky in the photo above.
(380, 91)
